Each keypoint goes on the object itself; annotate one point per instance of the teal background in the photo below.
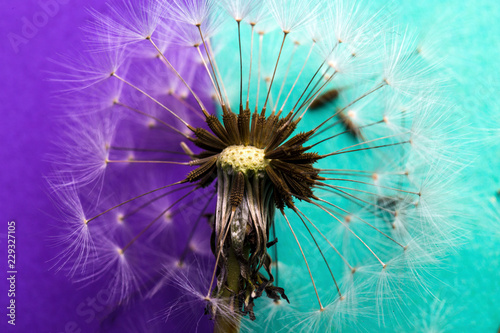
(471, 303)
(465, 289)
(471, 42)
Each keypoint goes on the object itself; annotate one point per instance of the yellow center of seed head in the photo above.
(243, 159)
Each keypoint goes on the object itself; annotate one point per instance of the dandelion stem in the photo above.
(312, 80)
(270, 93)
(147, 150)
(250, 70)
(345, 132)
(286, 75)
(219, 97)
(183, 101)
(152, 117)
(320, 251)
(274, 73)
(154, 221)
(298, 76)
(134, 198)
(308, 97)
(200, 103)
(275, 250)
(370, 141)
(314, 97)
(350, 170)
(305, 90)
(305, 260)
(214, 59)
(337, 188)
(327, 240)
(358, 190)
(147, 203)
(219, 251)
(383, 84)
(150, 97)
(370, 184)
(350, 230)
(327, 128)
(259, 68)
(368, 148)
(228, 321)
(211, 65)
(353, 102)
(241, 66)
(365, 222)
(147, 162)
(193, 230)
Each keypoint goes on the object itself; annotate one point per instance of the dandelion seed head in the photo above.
(120, 218)
(294, 14)
(128, 22)
(77, 240)
(240, 9)
(305, 148)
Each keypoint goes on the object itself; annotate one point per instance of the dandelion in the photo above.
(302, 148)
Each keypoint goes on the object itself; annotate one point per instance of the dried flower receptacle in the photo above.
(256, 172)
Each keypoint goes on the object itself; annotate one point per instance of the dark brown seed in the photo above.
(231, 123)
(206, 140)
(327, 97)
(243, 126)
(351, 126)
(298, 139)
(237, 189)
(201, 171)
(215, 125)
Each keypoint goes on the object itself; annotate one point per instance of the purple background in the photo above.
(46, 301)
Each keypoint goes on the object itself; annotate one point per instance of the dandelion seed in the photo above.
(298, 132)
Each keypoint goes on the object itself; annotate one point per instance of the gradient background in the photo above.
(48, 302)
